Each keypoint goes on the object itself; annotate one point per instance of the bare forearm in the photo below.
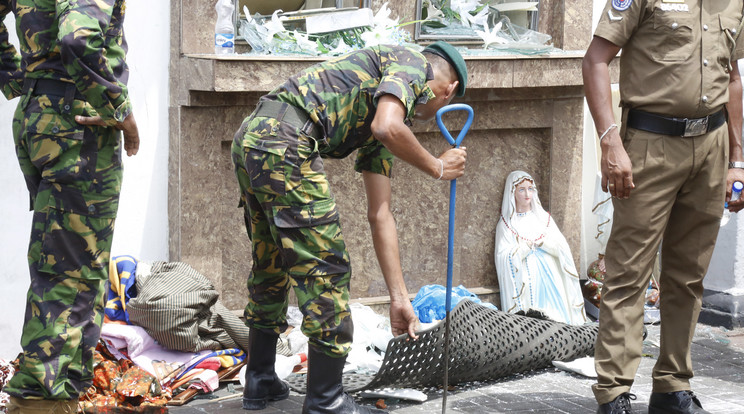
(385, 240)
(404, 145)
(596, 74)
(734, 109)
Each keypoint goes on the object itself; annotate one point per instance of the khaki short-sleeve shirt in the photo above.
(675, 53)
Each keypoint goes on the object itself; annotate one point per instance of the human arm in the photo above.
(93, 52)
(617, 175)
(734, 109)
(128, 128)
(389, 128)
(385, 240)
(11, 76)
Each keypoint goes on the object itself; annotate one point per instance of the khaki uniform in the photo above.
(674, 63)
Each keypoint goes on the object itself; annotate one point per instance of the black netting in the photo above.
(486, 344)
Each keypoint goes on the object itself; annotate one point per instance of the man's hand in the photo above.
(734, 174)
(453, 163)
(617, 175)
(403, 319)
(128, 127)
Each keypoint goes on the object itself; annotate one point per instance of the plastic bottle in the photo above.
(736, 189)
(284, 365)
(224, 30)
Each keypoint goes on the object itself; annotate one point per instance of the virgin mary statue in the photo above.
(535, 268)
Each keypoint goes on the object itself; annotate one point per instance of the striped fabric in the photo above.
(180, 308)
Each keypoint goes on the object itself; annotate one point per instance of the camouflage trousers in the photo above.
(73, 174)
(293, 224)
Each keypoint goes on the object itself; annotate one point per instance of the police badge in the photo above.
(621, 5)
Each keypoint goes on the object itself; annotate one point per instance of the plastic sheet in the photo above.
(430, 299)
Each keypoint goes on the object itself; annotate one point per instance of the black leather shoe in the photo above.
(620, 405)
(680, 402)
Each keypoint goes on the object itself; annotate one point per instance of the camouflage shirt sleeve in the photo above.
(93, 51)
(11, 76)
(375, 158)
(405, 74)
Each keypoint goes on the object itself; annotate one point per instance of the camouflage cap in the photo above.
(451, 55)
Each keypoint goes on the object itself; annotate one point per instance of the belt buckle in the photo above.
(695, 127)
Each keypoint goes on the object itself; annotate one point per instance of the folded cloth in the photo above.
(207, 381)
(228, 358)
(186, 377)
(212, 363)
(180, 308)
(133, 342)
(121, 287)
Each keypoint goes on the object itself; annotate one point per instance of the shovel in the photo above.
(451, 239)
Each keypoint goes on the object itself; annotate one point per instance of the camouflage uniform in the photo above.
(291, 216)
(71, 63)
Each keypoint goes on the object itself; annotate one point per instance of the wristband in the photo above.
(607, 131)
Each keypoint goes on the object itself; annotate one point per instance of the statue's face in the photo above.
(523, 194)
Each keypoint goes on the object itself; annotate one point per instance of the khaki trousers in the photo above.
(678, 198)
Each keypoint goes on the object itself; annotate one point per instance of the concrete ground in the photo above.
(717, 354)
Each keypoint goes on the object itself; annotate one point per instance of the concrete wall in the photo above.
(142, 223)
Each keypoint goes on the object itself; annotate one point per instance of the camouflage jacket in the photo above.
(340, 96)
(78, 41)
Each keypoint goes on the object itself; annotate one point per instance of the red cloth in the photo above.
(212, 363)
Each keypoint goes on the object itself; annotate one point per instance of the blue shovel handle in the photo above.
(453, 187)
(465, 128)
(451, 236)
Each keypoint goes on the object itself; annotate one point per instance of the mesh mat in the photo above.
(486, 344)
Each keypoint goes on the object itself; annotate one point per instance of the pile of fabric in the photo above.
(7, 370)
(125, 385)
(165, 331)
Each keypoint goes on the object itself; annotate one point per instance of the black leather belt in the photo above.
(679, 127)
(290, 114)
(52, 87)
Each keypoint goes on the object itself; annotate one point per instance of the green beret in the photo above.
(451, 55)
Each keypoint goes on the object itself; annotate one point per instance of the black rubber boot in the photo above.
(261, 383)
(325, 392)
